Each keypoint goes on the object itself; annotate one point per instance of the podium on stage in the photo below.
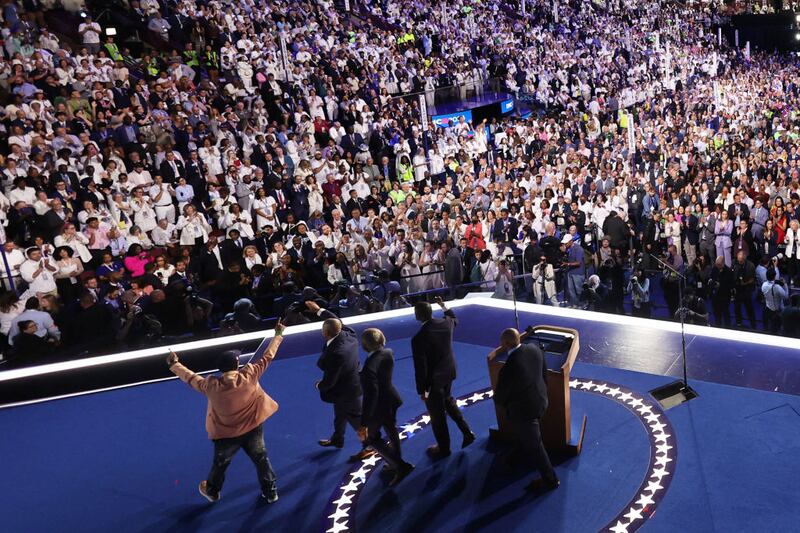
(560, 347)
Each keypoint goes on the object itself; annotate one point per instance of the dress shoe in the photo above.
(207, 494)
(435, 453)
(327, 443)
(401, 474)
(542, 485)
(360, 456)
(469, 438)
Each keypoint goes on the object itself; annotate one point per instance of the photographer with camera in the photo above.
(744, 275)
(639, 288)
(594, 294)
(693, 309)
(775, 295)
(544, 282)
(720, 284)
(576, 270)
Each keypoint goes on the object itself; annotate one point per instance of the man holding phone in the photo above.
(237, 408)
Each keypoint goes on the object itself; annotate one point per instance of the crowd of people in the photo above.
(169, 193)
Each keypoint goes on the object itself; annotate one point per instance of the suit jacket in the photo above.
(744, 212)
(522, 384)
(432, 349)
(339, 364)
(503, 234)
(165, 169)
(381, 399)
(236, 402)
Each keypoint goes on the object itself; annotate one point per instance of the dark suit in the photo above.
(522, 391)
(435, 370)
(379, 407)
(168, 174)
(341, 384)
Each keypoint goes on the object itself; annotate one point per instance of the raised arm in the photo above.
(269, 354)
(198, 383)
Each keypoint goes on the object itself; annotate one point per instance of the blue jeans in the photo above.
(574, 287)
(253, 444)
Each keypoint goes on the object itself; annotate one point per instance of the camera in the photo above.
(634, 279)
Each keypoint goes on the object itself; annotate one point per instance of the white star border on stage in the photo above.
(340, 514)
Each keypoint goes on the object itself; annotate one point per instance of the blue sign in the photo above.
(445, 121)
(506, 106)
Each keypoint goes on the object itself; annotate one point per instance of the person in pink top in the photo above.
(136, 259)
(237, 408)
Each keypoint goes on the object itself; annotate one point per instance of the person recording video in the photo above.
(693, 309)
(544, 282)
(639, 288)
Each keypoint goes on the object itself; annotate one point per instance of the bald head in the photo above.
(509, 338)
(331, 327)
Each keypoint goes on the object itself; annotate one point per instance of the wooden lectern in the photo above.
(560, 346)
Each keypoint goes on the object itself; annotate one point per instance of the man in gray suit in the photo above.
(758, 216)
(706, 227)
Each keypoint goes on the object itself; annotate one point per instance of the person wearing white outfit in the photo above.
(39, 272)
(193, 227)
(162, 194)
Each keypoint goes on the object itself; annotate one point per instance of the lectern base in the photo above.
(568, 449)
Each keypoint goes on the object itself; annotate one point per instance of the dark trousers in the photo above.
(746, 300)
(772, 320)
(345, 411)
(529, 439)
(722, 312)
(253, 444)
(440, 403)
(390, 451)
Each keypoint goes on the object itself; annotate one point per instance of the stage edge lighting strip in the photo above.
(542, 310)
(340, 512)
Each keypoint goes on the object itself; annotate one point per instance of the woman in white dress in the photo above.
(316, 202)
(430, 261)
(263, 209)
(193, 227)
(163, 269)
(409, 266)
(211, 158)
(239, 220)
(137, 236)
(144, 215)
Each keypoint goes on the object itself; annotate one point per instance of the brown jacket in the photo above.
(236, 401)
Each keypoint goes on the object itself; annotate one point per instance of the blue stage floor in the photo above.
(130, 459)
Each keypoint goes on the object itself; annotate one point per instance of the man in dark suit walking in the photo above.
(435, 370)
(522, 391)
(381, 400)
(340, 383)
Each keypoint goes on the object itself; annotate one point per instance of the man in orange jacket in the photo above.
(237, 408)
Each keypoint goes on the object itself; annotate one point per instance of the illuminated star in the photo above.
(625, 397)
(658, 427)
(633, 514)
(424, 419)
(662, 461)
(461, 403)
(601, 388)
(645, 410)
(653, 486)
(659, 473)
(573, 383)
(475, 398)
(645, 500)
(613, 392)
(620, 527)
(651, 418)
(662, 437)
(588, 385)
(337, 527)
(351, 487)
(372, 460)
(662, 448)
(636, 403)
(341, 512)
(412, 428)
(344, 500)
